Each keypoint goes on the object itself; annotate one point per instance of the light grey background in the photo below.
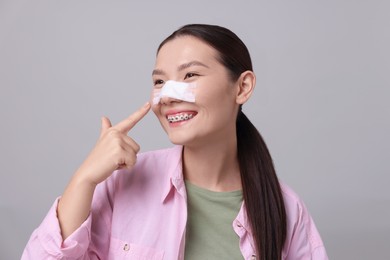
(321, 102)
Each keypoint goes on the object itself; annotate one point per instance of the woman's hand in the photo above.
(114, 149)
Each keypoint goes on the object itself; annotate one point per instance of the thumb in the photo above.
(106, 123)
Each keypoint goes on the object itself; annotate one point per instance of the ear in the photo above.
(246, 84)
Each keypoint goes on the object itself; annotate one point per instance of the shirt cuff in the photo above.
(49, 235)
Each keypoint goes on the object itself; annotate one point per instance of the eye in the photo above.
(158, 82)
(190, 75)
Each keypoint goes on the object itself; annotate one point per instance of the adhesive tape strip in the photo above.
(174, 89)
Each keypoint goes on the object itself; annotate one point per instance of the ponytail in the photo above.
(261, 190)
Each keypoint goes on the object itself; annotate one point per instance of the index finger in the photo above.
(127, 124)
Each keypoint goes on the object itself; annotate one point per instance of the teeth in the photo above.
(178, 118)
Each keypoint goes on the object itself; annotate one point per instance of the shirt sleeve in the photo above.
(89, 241)
(303, 239)
(306, 242)
(46, 241)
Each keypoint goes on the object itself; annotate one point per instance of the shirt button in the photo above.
(126, 247)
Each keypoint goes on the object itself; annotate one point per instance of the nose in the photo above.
(168, 100)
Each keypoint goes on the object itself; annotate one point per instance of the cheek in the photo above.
(156, 111)
(160, 117)
(215, 96)
(219, 105)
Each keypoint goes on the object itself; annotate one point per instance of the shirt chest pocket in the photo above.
(123, 250)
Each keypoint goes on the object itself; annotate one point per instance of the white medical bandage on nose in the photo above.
(174, 89)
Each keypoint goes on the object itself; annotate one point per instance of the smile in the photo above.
(180, 117)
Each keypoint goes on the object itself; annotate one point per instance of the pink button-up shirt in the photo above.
(142, 214)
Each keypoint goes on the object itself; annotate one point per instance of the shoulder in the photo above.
(302, 234)
(290, 196)
(149, 176)
(295, 207)
(158, 163)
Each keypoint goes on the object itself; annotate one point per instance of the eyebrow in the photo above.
(181, 67)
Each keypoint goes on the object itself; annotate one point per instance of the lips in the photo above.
(180, 117)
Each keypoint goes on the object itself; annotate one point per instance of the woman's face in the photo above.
(211, 118)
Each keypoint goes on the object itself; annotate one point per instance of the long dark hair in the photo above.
(261, 189)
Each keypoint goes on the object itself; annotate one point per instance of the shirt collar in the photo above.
(176, 181)
(175, 173)
(242, 218)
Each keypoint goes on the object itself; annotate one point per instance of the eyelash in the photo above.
(188, 75)
(158, 82)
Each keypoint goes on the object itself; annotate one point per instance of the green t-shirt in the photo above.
(209, 233)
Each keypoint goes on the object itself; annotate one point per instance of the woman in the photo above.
(214, 195)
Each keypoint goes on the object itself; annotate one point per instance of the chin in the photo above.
(180, 138)
(177, 140)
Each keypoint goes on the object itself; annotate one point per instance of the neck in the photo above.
(213, 166)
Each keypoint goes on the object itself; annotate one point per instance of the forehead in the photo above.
(183, 49)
